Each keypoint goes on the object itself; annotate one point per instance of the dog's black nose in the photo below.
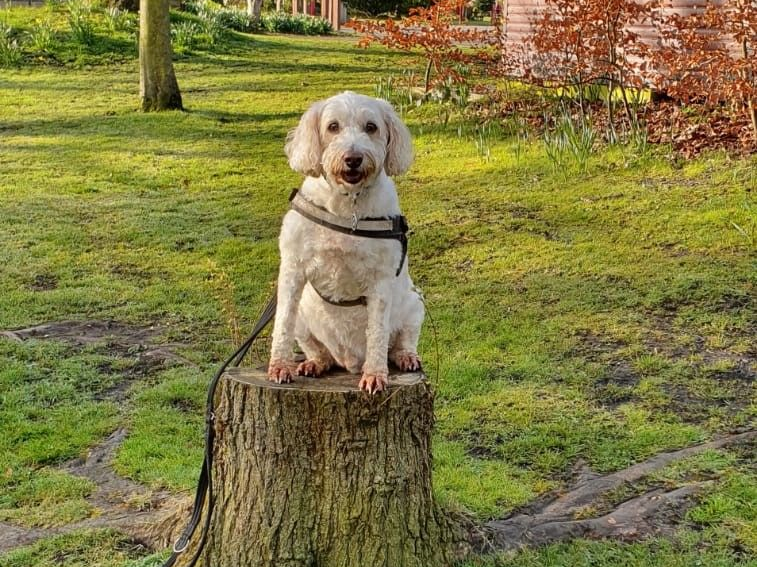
(353, 161)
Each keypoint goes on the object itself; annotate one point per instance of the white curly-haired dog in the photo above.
(348, 146)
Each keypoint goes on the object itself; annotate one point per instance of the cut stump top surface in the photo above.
(334, 381)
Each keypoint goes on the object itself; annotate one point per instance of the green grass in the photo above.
(599, 317)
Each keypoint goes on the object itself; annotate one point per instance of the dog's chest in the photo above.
(345, 262)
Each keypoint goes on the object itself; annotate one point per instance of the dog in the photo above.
(346, 300)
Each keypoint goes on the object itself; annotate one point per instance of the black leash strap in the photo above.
(205, 482)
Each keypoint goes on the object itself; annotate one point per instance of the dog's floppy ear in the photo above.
(303, 147)
(399, 151)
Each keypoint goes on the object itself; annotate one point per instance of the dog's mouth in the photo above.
(352, 176)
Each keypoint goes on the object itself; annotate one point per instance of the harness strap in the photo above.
(393, 228)
(362, 300)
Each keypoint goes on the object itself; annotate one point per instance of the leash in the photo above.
(205, 482)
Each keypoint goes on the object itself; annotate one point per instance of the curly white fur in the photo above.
(347, 146)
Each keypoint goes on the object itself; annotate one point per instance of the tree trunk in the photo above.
(319, 474)
(158, 88)
(253, 7)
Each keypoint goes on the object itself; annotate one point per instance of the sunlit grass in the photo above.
(596, 317)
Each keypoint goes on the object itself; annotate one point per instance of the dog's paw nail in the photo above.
(310, 368)
(409, 362)
(373, 383)
(280, 373)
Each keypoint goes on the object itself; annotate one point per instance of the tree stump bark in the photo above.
(319, 474)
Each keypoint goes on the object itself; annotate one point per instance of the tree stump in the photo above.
(319, 474)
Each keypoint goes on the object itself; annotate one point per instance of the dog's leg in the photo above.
(404, 350)
(376, 370)
(319, 359)
(290, 286)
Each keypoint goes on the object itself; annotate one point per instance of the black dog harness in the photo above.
(392, 228)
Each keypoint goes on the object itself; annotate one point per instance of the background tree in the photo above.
(158, 88)
(253, 7)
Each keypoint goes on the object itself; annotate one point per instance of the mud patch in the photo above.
(86, 333)
(480, 446)
(616, 387)
(692, 407)
(595, 347)
(43, 282)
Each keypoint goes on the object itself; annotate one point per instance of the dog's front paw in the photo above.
(280, 371)
(373, 382)
(407, 361)
(311, 368)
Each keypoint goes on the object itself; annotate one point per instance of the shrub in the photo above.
(215, 18)
(280, 22)
(80, 22)
(699, 62)
(576, 44)
(432, 30)
(10, 50)
(118, 20)
(185, 36)
(385, 7)
(239, 20)
(41, 37)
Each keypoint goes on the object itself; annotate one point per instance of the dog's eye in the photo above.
(371, 127)
(334, 127)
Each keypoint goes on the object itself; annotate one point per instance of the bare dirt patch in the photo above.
(43, 282)
(150, 517)
(87, 332)
(138, 345)
(560, 516)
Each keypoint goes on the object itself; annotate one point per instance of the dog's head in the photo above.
(349, 139)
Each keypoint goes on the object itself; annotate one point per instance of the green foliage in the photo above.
(81, 549)
(395, 91)
(384, 7)
(10, 50)
(80, 21)
(238, 20)
(119, 20)
(280, 22)
(185, 36)
(41, 37)
(683, 551)
(226, 17)
(571, 140)
(572, 311)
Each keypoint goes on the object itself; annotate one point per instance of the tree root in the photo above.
(557, 518)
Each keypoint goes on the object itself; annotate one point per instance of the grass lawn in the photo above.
(591, 319)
